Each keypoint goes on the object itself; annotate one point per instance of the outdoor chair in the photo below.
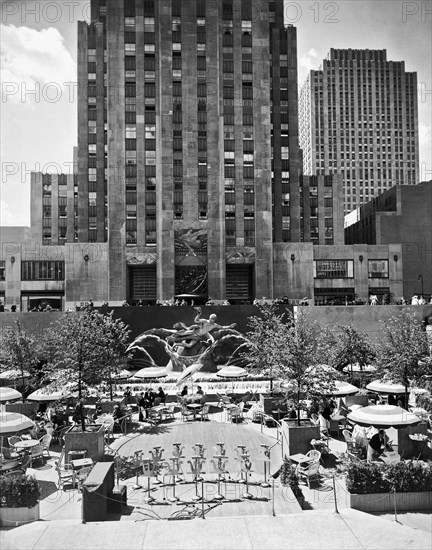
(170, 411)
(14, 439)
(36, 453)
(235, 414)
(314, 419)
(65, 474)
(25, 462)
(81, 475)
(186, 414)
(13, 473)
(154, 417)
(204, 413)
(355, 458)
(310, 472)
(316, 455)
(45, 441)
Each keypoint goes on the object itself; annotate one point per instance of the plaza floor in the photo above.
(250, 523)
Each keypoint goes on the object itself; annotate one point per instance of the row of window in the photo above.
(344, 269)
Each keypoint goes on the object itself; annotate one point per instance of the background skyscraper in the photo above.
(358, 117)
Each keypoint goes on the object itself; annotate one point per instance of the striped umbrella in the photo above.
(383, 416)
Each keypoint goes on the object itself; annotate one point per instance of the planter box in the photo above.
(385, 502)
(13, 517)
(297, 438)
(91, 441)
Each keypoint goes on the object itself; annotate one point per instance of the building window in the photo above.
(333, 269)
(378, 269)
(42, 271)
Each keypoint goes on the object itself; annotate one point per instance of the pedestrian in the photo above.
(141, 407)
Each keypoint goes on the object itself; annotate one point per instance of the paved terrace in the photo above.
(253, 523)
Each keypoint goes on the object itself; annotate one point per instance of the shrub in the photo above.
(410, 476)
(289, 477)
(366, 478)
(19, 492)
(404, 477)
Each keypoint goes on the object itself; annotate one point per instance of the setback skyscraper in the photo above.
(358, 117)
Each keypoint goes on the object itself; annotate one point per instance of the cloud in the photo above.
(30, 59)
(309, 60)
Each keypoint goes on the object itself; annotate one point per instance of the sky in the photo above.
(38, 107)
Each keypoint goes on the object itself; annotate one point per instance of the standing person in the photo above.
(161, 395)
(141, 407)
(148, 400)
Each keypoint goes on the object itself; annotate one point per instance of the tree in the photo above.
(18, 350)
(403, 354)
(288, 349)
(350, 346)
(267, 352)
(88, 348)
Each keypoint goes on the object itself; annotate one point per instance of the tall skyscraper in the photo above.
(176, 139)
(358, 117)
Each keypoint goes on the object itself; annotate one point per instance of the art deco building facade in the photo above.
(188, 154)
(358, 117)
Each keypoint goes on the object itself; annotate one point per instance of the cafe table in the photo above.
(300, 458)
(194, 407)
(25, 444)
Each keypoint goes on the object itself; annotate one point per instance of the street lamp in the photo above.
(420, 278)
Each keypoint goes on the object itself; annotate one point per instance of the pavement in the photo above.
(317, 526)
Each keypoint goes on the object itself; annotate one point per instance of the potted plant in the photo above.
(379, 487)
(19, 500)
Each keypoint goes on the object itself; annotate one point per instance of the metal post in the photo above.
(334, 494)
(202, 500)
(394, 500)
(273, 505)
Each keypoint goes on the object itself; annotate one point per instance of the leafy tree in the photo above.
(350, 346)
(87, 348)
(18, 350)
(403, 354)
(267, 353)
(288, 349)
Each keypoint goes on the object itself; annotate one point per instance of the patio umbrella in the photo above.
(151, 373)
(383, 416)
(232, 372)
(355, 367)
(9, 394)
(344, 388)
(385, 387)
(12, 423)
(43, 395)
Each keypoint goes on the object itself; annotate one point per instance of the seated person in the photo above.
(184, 391)
(359, 436)
(378, 444)
(292, 413)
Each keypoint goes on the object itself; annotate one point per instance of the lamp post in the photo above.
(420, 278)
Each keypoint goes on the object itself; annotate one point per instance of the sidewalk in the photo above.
(324, 530)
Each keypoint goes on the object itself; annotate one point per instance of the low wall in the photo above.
(363, 318)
